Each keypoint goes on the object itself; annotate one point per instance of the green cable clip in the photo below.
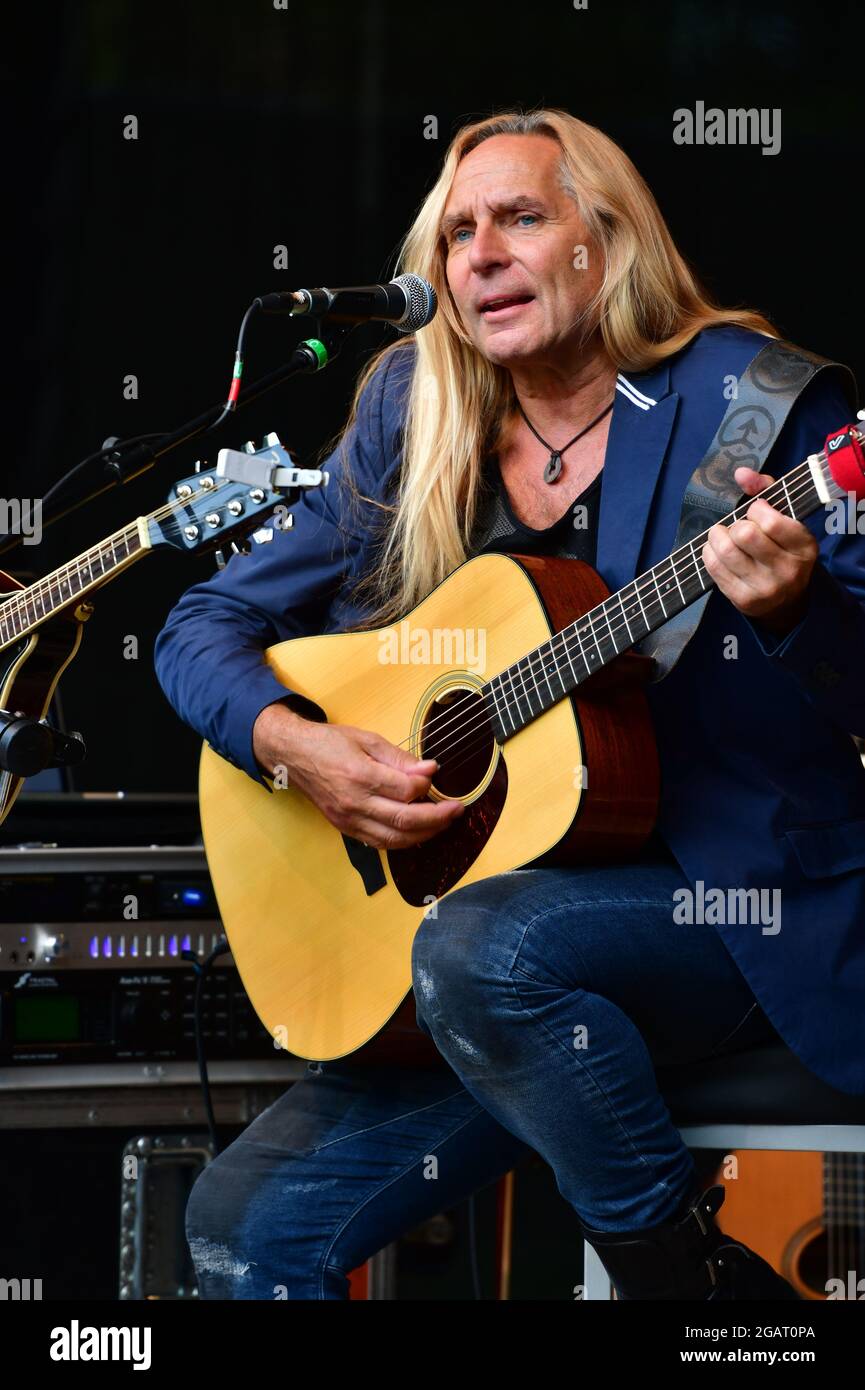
(318, 347)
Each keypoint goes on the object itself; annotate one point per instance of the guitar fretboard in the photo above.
(844, 1196)
(546, 675)
(25, 609)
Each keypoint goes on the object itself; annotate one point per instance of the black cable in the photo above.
(202, 970)
(231, 403)
(107, 449)
(111, 446)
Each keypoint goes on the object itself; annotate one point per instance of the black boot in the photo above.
(688, 1258)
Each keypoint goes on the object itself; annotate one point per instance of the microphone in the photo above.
(407, 302)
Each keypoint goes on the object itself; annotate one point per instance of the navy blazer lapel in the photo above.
(640, 427)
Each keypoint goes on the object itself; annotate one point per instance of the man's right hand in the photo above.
(365, 786)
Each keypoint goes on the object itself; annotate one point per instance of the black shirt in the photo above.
(497, 529)
(574, 535)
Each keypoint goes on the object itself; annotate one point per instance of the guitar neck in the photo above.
(25, 609)
(559, 666)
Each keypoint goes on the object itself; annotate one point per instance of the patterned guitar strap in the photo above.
(766, 392)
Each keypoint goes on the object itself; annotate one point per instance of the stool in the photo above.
(762, 1098)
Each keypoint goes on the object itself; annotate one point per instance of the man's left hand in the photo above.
(763, 563)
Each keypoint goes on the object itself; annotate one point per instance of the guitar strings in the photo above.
(482, 724)
(585, 626)
(844, 1217)
(17, 600)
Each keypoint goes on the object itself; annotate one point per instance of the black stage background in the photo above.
(304, 126)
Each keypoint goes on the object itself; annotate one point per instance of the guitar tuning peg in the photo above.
(263, 535)
(272, 441)
(221, 561)
(249, 447)
(198, 463)
(240, 547)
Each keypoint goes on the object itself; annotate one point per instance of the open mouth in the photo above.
(496, 308)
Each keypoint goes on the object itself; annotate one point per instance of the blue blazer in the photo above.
(762, 785)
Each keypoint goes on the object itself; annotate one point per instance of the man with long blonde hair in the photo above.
(572, 379)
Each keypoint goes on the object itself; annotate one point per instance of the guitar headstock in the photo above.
(207, 511)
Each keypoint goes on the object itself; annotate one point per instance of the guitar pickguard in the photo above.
(423, 873)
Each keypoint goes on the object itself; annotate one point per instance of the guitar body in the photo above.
(805, 1214)
(320, 927)
(30, 670)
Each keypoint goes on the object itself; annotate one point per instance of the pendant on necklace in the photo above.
(553, 468)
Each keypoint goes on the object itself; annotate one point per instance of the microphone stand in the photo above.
(117, 463)
(28, 745)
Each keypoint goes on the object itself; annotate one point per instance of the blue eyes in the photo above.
(533, 216)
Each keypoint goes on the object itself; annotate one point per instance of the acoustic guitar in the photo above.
(41, 625)
(516, 674)
(805, 1214)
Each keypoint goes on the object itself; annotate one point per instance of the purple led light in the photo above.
(94, 948)
(172, 946)
(106, 946)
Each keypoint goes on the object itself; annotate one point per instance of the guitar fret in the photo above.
(640, 602)
(595, 637)
(519, 695)
(546, 676)
(22, 610)
(505, 704)
(658, 591)
(505, 699)
(625, 616)
(576, 627)
(534, 687)
(492, 684)
(526, 691)
(554, 655)
(698, 565)
(610, 628)
(568, 655)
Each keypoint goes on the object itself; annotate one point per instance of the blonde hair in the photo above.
(648, 306)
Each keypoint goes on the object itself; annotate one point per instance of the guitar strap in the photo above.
(765, 394)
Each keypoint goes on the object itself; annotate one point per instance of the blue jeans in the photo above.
(551, 995)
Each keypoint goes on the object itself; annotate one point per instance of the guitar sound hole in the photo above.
(822, 1257)
(457, 731)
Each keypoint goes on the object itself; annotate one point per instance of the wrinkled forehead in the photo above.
(497, 202)
(505, 174)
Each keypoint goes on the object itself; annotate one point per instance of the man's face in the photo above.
(511, 232)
